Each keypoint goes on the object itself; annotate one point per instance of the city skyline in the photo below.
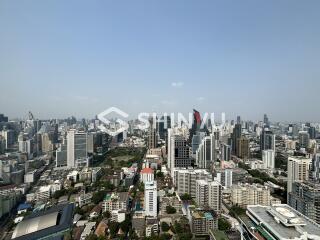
(63, 59)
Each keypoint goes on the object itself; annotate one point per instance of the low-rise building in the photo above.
(246, 194)
(115, 201)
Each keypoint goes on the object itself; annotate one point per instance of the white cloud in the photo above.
(177, 84)
(200, 99)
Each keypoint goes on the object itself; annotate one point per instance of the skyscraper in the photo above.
(164, 123)
(150, 199)
(265, 120)
(76, 149)
(178, 152)
(267, 140)
(268, 158)
(225, 152)
(152, 134)
(236, 134)
(243, 150)
(205, 155)
(304, 139)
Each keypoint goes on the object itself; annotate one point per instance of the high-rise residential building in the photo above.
(312, 132)
(2, 145)
(243, 150)
(244, 194)
(205, 155)
(185, 180)
(8, 135)
(46, 143)
(225, 152)
(178, 152)
(298, 170)
(265, 120)
(3, 118)
(304, 139)
(315, 168)
(268, 158)
(202, 193)
(215, 196)
(305, 198)
(236, 134)
(61, 154)
(267, 140)
(150, 199)
(228, 173)
(77, 149)
(209, 194)
(152, 134)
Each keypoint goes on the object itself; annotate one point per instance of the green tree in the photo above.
(223, 224)
(170, 210)
(185, 197)
(97, 197)
(165, 227)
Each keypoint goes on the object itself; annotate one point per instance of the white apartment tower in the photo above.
(150, 199)
(268, 158)
(298, 170)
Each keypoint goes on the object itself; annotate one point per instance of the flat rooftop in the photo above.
(45, 224)
(283, 221)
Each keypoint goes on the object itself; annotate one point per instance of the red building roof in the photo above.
(146, 171)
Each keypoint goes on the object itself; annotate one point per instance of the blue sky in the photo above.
(61, 58)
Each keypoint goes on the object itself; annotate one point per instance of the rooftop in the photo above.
(47, 223)
(283, 221)
(147, 171)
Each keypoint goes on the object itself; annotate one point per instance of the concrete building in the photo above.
(298, 170)
(305, 198)
(115, 202)
(243, 148)
(268, 158)
(8, 135)
(61, 154)
(77, 149)
(267, 140)
(179, 152)
(52, 223)
(150, 199)
(203, 222)
(146, 175)
(281, 222)
(245, 194)
(225, 152)
(215, 196)
(205, 154)
(304, 139)
(185, 180)
(8, 200)
(202, 193)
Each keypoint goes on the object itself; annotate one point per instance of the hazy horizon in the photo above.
(74, 58)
